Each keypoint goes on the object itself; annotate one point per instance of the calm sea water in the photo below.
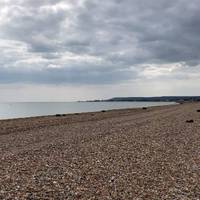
(30, 109)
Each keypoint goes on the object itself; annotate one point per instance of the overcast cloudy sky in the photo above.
(54, 50)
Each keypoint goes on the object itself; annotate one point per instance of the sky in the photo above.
(55, 50)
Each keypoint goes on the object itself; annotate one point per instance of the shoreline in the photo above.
(118, 154)
(21, 124)
(89, 112)
(65, 111)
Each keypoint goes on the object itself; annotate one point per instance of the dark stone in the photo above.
(103, 111)
(190, 121)
(144, 108)
(198, 110)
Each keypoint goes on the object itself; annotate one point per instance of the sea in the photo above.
(32, 109)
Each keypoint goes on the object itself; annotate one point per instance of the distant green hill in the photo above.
(162, 98)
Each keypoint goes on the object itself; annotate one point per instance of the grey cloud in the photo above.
(64, 76)
(122, 34)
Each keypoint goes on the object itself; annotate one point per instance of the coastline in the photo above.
(34, 109)
(117, 154)
(21, 124)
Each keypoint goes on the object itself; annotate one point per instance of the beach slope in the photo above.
(121, 154)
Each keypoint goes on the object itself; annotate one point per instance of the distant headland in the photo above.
(152, 99)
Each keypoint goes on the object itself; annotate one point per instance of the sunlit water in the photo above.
(30, 109)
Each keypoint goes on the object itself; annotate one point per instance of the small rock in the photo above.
(190, 121)
(112, 179)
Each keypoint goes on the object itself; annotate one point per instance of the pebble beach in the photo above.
(130, 154)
